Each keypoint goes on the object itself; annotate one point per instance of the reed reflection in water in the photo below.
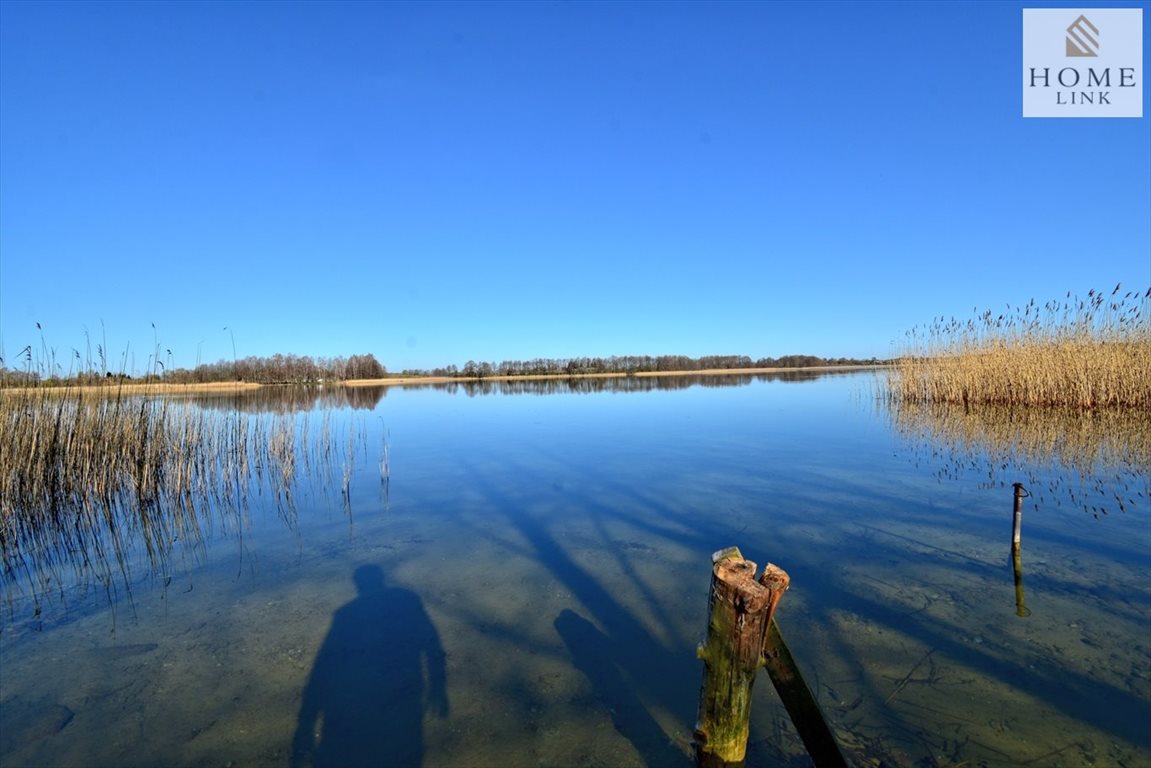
(1099, 461)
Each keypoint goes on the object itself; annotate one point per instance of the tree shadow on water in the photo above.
(380, 667)
(594, 655)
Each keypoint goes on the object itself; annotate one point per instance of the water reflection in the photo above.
(293, 399)
(380, 667)
(1021, 609)
(288, 399)
(1096, 460)
(618, 384)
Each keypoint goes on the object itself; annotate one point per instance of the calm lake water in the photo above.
(529, 585)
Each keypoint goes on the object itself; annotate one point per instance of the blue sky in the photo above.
(440, 182)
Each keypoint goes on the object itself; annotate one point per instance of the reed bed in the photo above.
(1077, 353)
(85, 480)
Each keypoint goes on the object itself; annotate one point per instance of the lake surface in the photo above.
(524, 581)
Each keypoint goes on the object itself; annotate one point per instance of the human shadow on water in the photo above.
(380, 667)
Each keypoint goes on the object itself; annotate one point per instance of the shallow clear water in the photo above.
(530, 586)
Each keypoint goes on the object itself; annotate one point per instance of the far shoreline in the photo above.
(415, 380)
(168, 388)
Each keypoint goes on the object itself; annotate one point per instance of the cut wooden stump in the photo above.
(742, 637)
(739, 611)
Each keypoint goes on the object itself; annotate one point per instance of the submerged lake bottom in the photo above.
(529, 585)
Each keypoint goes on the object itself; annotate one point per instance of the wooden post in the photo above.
(799, 702)
(1016, 552)
(1017, 524)
(742, 636)
(738, 610)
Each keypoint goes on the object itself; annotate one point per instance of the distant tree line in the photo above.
(277, 369)
(281, 369)
(630, 364)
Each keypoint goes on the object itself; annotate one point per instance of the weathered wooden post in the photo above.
(739, 611)
(742, 636)
(799, 702)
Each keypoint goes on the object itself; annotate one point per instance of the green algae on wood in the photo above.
(739, 612)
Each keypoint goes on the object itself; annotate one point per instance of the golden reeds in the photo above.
(1079, 353)
(84, 479)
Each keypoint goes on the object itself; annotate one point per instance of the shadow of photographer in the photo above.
(380, 668)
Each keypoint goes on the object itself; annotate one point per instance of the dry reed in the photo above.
(86, 479)
(1079, 353)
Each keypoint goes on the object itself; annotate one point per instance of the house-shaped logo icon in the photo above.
(1082, 38)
